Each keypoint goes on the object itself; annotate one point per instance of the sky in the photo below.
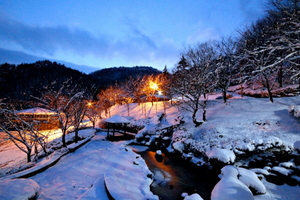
(115, 33)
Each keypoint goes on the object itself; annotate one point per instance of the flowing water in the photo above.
(173, 176)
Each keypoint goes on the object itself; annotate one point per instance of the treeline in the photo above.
(266, 54)
(24, 81)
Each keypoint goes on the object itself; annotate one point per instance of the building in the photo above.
(46, 119)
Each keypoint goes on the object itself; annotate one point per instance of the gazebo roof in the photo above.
(117, 119)
(36, 111)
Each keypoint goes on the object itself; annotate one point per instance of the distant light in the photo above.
(153, 85)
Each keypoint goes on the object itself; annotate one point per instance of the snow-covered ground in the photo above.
(80, 175)
(243, 124)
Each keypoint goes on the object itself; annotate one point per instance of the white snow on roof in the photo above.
(36, 110)
(117, 119)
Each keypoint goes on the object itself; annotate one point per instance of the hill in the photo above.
(25, 80)
(111, 76)
(18, 57)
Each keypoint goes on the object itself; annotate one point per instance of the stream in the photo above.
(174, 176)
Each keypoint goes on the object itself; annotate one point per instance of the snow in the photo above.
(297, 145)
(193, 197)
(159, 152)
(260, 171)
(295, 110)
(81, 174)
(223, 155)
(117, 119)
(278, 192)
(287, 164)
(242, 125)
(230, 187)
(37, 110)
(250, 179)
(282, 170)
(18, 189)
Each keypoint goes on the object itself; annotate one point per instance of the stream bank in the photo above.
(174, 176)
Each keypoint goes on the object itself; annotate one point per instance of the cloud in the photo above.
(252, 9)
(49, 39)
(202, 34)
(136, 45)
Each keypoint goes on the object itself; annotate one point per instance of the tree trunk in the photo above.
(224, 96)
(270, 95)
(76, 135)
(28, 155)
(63, 138)
(269, 91)
(280, 74)
(204, 111)
(195, 118)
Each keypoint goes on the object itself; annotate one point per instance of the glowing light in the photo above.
(153, 85)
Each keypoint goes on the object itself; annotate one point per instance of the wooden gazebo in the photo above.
(115, 124)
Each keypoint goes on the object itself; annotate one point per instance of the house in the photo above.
(46, 119)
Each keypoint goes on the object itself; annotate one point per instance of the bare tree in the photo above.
(93, 112)
(22, 133)
(61, 101)
(226, 49)
(109, 97)
(272, 42)
(193, 78)
(79, 108)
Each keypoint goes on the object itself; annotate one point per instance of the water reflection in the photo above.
(172, 177)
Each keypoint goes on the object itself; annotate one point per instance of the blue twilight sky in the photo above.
(108, 33)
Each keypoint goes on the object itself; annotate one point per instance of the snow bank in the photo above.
(282, 170)
(230, 187)
(250, 179)
(192, 197)
(260, 171)
(223, 155)
(297, 145)
(18, 189)
(287, 164)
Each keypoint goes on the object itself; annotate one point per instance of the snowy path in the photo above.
(76, 173)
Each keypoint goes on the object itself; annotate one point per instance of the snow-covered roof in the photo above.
(36, 111)
(117, 119)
